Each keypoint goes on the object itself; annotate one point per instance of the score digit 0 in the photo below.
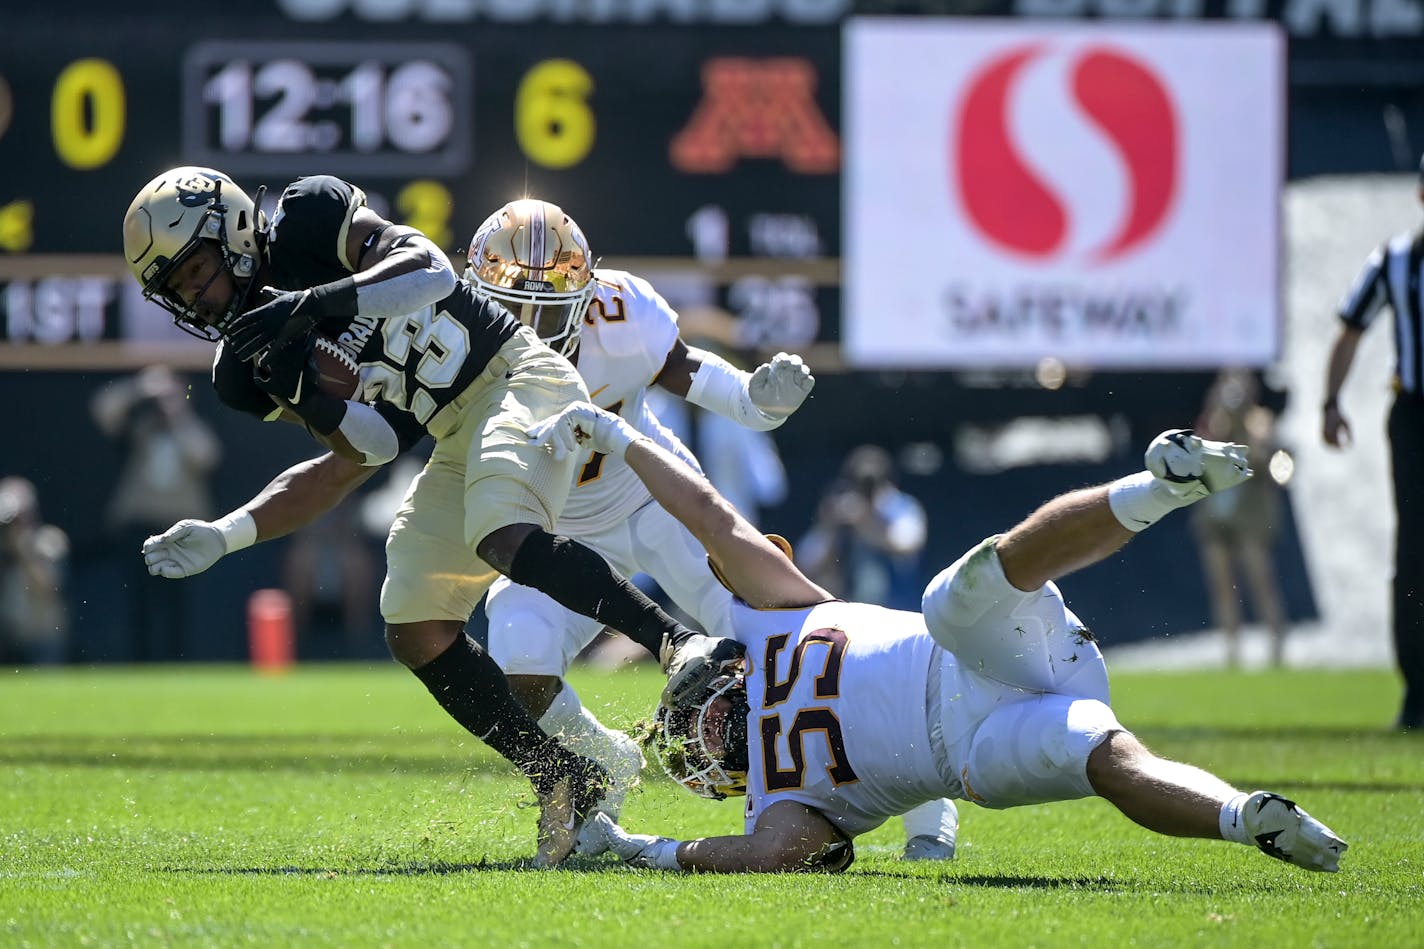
(552, 120)
(87, 113)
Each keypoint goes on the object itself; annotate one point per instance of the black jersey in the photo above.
(411, 365)
(1394, 276)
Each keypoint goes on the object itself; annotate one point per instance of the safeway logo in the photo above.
(1126, 106)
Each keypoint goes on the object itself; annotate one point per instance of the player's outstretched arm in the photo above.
(1080, 528)
(293, 499)
(788, 836)
(755, 568)
(760, 400)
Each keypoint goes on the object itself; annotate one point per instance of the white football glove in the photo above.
(779, 387)
(583, 427)
(1191, 467)
(600, 834)
(185, 549)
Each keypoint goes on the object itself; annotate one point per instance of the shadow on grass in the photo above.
(394, 870)
(300, 753)
(575, 865)
(1013, 882)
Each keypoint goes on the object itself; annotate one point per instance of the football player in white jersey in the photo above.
(841, 715)
(623, 337)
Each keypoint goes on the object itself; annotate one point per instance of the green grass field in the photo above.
(336, 805)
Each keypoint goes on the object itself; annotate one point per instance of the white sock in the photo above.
(578, 730)
(1230, 822)
(932, 819)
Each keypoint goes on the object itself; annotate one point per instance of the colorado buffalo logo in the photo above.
(1125, 103)
(197, 190)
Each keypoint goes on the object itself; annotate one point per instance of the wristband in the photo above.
(337, 298)
(1331, 403)
(720, 387)
(627, 435)
(322, 411)
(238, 530)
(1141, 500)
(662, 855)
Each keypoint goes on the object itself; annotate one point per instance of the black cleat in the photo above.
(568, 792)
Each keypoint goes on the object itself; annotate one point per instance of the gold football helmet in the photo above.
(533, 258)
(168, 218)
(680, 743)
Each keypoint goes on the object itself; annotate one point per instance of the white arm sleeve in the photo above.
(369, 433)
(720, 387)
(399, 295)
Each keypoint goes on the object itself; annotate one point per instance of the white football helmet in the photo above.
(533, 258)
(168, 218)
(680, 740)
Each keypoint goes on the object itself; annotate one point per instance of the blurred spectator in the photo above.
(34, 619)
(334, 581)
(168, 454)
(1236, 529)
(868, 536)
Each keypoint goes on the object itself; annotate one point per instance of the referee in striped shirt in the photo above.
(1391, 277)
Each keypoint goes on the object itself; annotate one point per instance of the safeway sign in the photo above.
(1104, 195)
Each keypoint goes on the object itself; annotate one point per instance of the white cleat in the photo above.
(1284, 831)
(925, 847)
(1193, 467)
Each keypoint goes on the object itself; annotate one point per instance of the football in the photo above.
(336, 372)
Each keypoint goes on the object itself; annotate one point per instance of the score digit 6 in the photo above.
(552, 120)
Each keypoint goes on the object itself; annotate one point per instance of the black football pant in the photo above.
(1406, 440)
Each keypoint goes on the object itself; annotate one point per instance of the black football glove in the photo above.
(287, 373)
(282, 371)
(286, 318)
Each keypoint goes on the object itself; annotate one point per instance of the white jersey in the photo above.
(627, 335)
(838, 711)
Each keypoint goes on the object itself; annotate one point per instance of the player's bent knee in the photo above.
(416, 644)
(526, 643)
(1112, 766)
(1117, 766)
(1036, 751)
(500, 546)
(961, 594)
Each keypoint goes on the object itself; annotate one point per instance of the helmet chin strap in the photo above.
(238, 306)
(244, 281)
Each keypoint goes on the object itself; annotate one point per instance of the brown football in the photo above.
(336, 372)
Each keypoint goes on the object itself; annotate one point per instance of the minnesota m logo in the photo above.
(756, 109)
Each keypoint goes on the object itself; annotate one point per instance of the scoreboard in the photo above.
(710, 150)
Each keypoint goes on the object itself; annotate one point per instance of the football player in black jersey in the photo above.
(435, 357)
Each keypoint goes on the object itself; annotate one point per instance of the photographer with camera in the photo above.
(34, 619)
(867, 541)
(169, 453)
